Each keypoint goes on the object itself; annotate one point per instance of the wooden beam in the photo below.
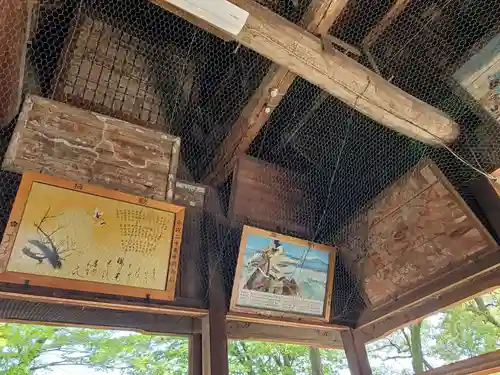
(247, 318)
(470, 287)
(394, 12)
(317, 337)
(460, 276)
(355, 351)
(319, 17)
(483, 364)
(195, 360)
(357, 86)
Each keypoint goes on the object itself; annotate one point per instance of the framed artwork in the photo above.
(64, 234)
(283, 276)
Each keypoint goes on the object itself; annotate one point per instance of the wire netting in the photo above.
(132, 60)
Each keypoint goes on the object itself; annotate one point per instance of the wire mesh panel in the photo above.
(135, 61)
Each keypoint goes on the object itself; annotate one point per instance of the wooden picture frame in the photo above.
(119, 239)
(252, 241)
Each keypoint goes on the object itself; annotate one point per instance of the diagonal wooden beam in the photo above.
(394, 12)
(484, 364)
(318, 18)
(357, 86)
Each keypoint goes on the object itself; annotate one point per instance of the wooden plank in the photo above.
(118, 306)
(195, 355)
(474, 279)
(191, 273)
(290, 46)
(320, 15)
(317, 337)
(15, 19)
(483, 364)
(394, 12)
(84, 146)
(355, 351)
(294, 323)
(413, 233)
(258, 198)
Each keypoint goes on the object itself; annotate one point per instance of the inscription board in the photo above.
(65, 234)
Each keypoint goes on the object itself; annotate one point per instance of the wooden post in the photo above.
(195, 355)
(355, 351)
(301, 52)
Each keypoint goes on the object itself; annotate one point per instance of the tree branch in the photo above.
(485, 311)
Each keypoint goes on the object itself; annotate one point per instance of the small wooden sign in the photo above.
(283, 276)
(68, 235)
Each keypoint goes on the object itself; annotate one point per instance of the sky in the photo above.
(256, 242)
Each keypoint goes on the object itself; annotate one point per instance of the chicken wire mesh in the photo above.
(135, 61)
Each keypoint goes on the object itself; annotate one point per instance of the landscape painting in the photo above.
(282, 274)
(81, 234)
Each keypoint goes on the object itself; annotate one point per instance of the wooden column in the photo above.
(195, 355)
(319, 17)
(355, 351)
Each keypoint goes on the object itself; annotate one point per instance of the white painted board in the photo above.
(219, 13)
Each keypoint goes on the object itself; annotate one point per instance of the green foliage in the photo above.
(261, 358)
(29, 350)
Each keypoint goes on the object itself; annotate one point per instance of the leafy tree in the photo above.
(31, 349)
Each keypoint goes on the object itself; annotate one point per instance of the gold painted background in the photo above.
(70, 234)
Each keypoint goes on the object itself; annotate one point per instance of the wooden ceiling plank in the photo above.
(319, 17)
(484, 364)
(301, 52)
(394, 12)
(460, 292)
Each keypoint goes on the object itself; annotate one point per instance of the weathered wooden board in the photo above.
(415, 230)
(14, 29)
(317, 337)
(65, 141)
(270, 197)
(193, 266)
(108, 70)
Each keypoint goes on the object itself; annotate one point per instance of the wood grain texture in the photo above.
(65, 141)
(316, 337)
(462, 284)
(192, 274)
(320, 15)
(417, 229)
(355, 351)
(14, 30)
(286, 322)
(484, 364)
(288, 45)
(259, 198)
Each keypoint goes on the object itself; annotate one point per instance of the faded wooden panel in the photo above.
(65, 141)
(193, 272)
(270, 197)
(484, 364)
(321, 338)
(413, 231)
(108, 69)
(14, 27)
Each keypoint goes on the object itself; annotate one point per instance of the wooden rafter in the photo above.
(394, 12)
(301, 53)
(481, 365)
(319, 17)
